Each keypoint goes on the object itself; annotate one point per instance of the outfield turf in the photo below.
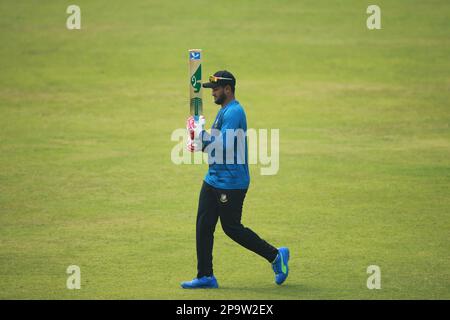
(85, 171)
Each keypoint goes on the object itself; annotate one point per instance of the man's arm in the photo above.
(230, 121)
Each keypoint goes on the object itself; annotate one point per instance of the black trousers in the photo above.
(227, 205)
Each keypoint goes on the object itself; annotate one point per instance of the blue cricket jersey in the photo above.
(232, 172)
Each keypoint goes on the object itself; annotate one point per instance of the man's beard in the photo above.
(221, 99)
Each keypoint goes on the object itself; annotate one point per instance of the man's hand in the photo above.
(194, 133)
(193, 146)
(195, 128)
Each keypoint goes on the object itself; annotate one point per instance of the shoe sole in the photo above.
(199, 288)
(214, 287)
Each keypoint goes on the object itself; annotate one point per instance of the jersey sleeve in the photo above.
(232, 120)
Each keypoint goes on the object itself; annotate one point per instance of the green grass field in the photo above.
(85, 171)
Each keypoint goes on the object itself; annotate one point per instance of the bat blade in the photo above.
(195, 82)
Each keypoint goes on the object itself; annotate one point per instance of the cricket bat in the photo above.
(195, 80)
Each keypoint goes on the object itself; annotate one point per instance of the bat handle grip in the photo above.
(196, 118)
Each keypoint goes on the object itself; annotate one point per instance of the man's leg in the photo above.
(230, 212)
(207, 217)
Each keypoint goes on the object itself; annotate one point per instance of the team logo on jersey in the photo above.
(223, 198)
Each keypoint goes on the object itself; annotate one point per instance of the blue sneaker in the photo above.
(202, 283)
(280, 265)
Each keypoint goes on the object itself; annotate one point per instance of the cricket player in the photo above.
(225, 185)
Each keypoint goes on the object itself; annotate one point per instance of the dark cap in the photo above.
(220, 79)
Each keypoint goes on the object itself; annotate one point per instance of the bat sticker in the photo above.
(194, 55)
